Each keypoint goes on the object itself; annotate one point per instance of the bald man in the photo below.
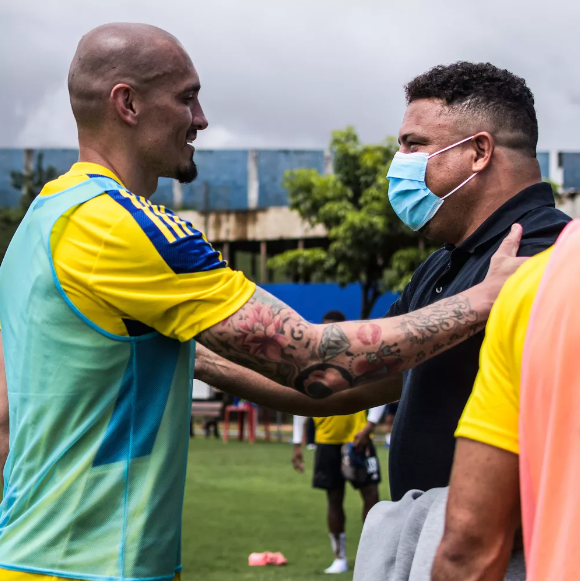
(101, 294)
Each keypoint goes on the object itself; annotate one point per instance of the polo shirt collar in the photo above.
(532, 197)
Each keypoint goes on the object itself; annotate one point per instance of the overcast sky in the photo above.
(284, 73)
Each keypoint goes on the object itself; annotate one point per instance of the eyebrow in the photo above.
(195, 88)
(411, 135)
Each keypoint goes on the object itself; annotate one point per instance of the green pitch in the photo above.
(243, 498)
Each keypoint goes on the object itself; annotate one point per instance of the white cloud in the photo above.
(217, 138)
(50, 124)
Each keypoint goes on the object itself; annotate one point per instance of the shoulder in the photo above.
(506, 329)
(143, 229)
(62, 183)
(545, 215)
(541, 228)
(545, 221)
(520, 289)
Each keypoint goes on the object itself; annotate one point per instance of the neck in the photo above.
(489, 205)
(492, 189)
(124, 165)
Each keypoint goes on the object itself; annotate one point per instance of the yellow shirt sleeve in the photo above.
(492, 412)
(130, 267)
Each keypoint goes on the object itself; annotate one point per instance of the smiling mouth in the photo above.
(189, 144)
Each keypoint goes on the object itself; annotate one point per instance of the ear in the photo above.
(483, 146)
(123, 99)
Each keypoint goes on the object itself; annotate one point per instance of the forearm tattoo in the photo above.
(271, 338)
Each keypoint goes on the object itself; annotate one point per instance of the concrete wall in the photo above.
(230, 179)
(222, 181)
(61, 159)
(164, 194)
(274, 223)
(244, 179)
(271, 167)
(570, 205)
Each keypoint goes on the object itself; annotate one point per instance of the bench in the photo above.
(205, 410)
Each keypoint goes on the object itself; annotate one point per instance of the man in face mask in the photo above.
(466, 171)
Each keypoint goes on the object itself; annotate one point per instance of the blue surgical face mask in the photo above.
(412, 200)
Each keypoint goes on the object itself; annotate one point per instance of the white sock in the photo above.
(338, 545)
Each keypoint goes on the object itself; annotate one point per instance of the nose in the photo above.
(199, 120)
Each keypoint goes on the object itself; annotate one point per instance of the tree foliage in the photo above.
(368, 244)
(557, 189)
(30, 184)
(404, 263)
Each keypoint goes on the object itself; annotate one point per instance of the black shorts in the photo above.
(327, 473)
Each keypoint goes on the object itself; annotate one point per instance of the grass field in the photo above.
(243, 498)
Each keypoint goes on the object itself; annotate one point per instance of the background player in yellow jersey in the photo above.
(331, 434)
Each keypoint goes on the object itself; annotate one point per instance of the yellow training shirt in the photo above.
(339, 429)
(131, 266)
(492, 412)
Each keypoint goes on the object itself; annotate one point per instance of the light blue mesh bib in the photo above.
(95, 477)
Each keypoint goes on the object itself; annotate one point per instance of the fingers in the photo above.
(298, 463)
(511, 243)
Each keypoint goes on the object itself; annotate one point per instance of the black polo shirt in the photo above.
(435, 392)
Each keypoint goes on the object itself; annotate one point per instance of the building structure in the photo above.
(239, 203)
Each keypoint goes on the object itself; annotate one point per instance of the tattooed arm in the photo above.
(247, 384)
(271, 338)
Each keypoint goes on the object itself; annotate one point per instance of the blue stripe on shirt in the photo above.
(179, 243)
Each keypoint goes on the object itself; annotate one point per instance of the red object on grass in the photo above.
(263, 559)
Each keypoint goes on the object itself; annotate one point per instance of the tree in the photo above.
(368, 242)
(29, 183)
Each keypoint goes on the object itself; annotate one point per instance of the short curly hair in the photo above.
(482, 89)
